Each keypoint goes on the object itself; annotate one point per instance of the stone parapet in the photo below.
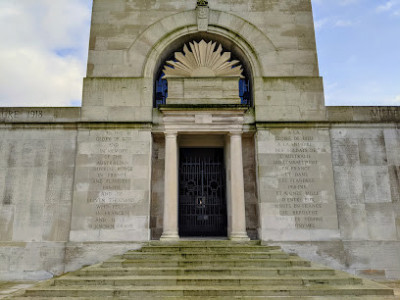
(361, 114)
(40, 114)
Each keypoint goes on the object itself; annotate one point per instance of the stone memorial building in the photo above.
(200, 120)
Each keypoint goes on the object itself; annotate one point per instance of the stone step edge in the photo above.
(205, 277)
(381, 297)
(195, 241)
(386, 290)
(209, 247)
(207, 259)
(277, 270)
(210, 252)
(18, 296)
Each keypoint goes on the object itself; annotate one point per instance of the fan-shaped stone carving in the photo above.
(203, 60)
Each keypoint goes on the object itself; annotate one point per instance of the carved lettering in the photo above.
(113, 194)
(20, 114)
(301, 186)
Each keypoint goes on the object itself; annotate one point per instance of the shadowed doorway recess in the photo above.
(202, 200)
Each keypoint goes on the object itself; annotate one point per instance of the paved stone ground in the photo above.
(8, 288)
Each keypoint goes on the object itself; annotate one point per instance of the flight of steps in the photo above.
(208, 270)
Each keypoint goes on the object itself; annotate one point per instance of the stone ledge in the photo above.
(239, 107)
(361, 114)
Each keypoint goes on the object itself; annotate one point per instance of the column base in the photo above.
(239, 237)
(169, 237)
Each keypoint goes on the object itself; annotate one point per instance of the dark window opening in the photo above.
(161, 91)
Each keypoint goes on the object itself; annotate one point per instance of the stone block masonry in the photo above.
(112, 185)
(297, 197)
(79, 185)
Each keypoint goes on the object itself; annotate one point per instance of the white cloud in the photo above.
(396, 100)
(319, 24)
(332, 22)
(343, 23)
(341, 2)
(392, 7)
(43, 57)
(385, 7)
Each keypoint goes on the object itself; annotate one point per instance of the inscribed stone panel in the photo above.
(296, 184)
(39, 115)
(109, 204)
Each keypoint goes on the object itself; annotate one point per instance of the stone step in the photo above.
(204, 281)
(207, 262)
(201, 256)
(207, 249)
(220, 298)
(207, 291)
(293, 271)
(204, 243)
(208, 270)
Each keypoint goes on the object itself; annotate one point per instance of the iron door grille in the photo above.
(202, 201)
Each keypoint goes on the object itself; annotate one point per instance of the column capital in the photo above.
(235, 133)
(171, 134)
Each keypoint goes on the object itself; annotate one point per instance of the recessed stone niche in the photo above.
(203, 75)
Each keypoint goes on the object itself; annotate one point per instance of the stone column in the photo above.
(238, 221)
(171, 188)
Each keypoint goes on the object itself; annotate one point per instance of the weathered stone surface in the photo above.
(203, 91)
(356, 257)
(117, 99)
(39, 114)
(37, 167)
(363, 114)
(141, 25)
(284, 99)
(296, 191)
(82, 254)
(112, 185)
(250, 187)
(31, 260)
(36, 178)
(157, 187)
(365, 162)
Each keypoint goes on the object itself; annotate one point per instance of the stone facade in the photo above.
(78, 185)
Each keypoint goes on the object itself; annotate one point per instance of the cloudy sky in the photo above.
(44, 45)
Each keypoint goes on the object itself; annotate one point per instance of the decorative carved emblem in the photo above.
(203, 13)
(203, 60)
(202, 3)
